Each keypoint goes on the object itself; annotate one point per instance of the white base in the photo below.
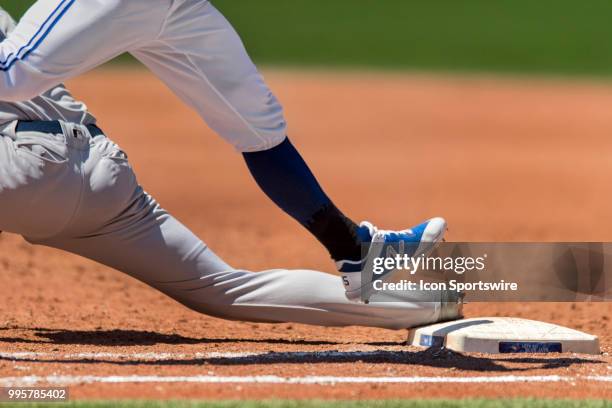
(497, 335)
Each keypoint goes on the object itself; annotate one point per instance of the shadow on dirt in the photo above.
(433, 357)
(147, 338)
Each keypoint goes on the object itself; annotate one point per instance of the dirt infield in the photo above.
(503, 160)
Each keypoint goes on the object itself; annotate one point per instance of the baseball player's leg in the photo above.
(152, 246)
(38, 188)
(58, 39)
(110, 219)
(200, 56)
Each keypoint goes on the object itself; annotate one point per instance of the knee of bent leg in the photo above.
(251, 119)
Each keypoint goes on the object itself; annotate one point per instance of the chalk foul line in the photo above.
(66, 380)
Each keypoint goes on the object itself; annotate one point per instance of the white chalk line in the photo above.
(66, 380)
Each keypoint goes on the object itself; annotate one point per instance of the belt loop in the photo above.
(9, 129)
(73, 131)
(76, 135)
(65, 128)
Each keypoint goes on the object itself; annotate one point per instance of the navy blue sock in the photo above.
(284, 176)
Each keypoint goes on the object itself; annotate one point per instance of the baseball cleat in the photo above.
(451, 306)
(413, 242)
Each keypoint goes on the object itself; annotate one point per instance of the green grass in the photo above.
(543, 36)
(467, 403)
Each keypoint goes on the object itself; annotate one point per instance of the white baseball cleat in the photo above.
(413, 242)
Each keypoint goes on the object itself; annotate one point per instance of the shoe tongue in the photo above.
(364, 234)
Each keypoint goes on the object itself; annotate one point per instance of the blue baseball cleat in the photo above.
(413, 242)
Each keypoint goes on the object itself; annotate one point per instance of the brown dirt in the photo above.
(503, 160)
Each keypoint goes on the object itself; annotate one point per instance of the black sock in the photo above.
(284, 176)
(337, 233)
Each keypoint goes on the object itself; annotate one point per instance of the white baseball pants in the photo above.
(94, 207)
(188, 44)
